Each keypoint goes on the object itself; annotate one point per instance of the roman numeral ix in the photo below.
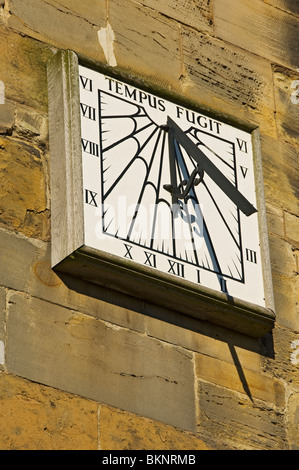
(90, 198)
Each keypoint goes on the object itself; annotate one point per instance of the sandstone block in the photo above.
(27, 268)
(275, 220)
(286, 301)
(282, 257)
(59, 25)
(293, 421)
(222, 77)
(259, 28)
(292, 227)
(146, 43)
(23, 69)
(237, 377)
(120, 430)
(196, 14)
(7, 118)
(100, 361)
(23, 205)
(286, 84)
(2, 312)
(284, 365)
(238, 423)
(193, 336)
(280, 173)
(286, 5)
(35, 417)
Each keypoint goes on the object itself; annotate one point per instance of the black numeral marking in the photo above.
(244, 171)
(150, 260)
(198, 276)
(223, 285)
(88, 112)
(90, 198)
(128, 251)
(176, 268)
(251, 256)
(86, 82)
(90, 147)
(242, 145)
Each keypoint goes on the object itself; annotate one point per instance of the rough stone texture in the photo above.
(237, 377)
(226, 80)
(238, 422)
(34, 417)
(7, 118)
(23, 61)
(255, 26)
(197, 14)
(23, 204)
(2, 326)
(146, 40)
(120, 430)
(293, 421)
(58, 23)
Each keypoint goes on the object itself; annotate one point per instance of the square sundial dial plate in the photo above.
(167, 204)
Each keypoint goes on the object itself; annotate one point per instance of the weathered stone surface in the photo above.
(237, 423)
(2, 326)
(197, 14)
(257, 27)
(7, 118)
(292, 227)
(290, 6)
(31, 125)
(193, 336)
(2, 312)
(286, 301)
(27, 268)
(285, 364)
(23, 69)
(239, 378)
(58, 25)
(146, 43)
(282, 257)
(23, 204)
(35, 417)
(120, 430)
(100, 361)
(293, 421)
(286, 84)
(280, 169)
(275, 220)
(224, 79)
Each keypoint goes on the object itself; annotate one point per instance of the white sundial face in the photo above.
(167, 188)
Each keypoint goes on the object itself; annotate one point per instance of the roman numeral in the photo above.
(88, 112)
(90, 198)
(150, 260)
(198, 276)
(176, 268)
(242, 145)
(86, 82)
(90, 147)
(251, 256)
(244, 171)
(128, 252)
(223, 285)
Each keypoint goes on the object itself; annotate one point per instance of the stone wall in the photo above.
(82, 367)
